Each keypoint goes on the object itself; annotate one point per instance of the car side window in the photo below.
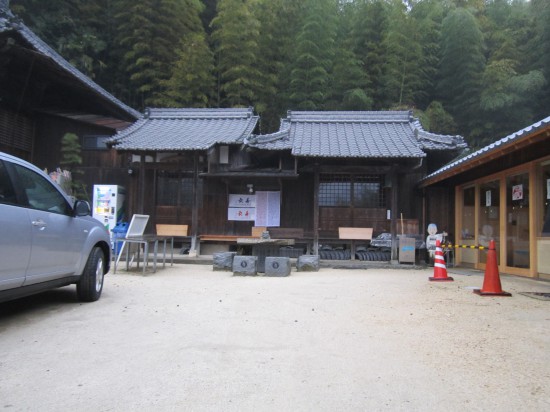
(7, 193)
(41, 194)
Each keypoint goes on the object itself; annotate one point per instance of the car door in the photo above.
(15, 234)
(56, 234)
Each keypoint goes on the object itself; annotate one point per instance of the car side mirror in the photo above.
(82, 208)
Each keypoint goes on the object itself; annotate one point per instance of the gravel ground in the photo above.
(188, 338)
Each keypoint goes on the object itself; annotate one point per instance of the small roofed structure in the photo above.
(328, 169)
(363, 166)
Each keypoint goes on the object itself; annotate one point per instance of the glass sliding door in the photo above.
(489, 217)
(468, 223)
(517, 221)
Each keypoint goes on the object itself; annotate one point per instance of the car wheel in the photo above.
(90, 285)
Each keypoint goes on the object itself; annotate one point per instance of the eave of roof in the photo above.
(490, 152)
(97, 120)
(9, 22)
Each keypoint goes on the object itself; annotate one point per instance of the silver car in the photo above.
(46, 239)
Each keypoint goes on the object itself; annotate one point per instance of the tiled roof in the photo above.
(510, 139)
(382, 134)
(9, 22)
(186, 129)
(433, 141)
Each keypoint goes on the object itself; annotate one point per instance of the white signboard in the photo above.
(548, 188)
(268, 209)
(242, 201)
(241, 213)
(242, 207)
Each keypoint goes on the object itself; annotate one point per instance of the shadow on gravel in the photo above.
(41, 302)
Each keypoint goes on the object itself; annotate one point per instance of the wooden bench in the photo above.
(353, 234)
(173, 231)
(286, 233)
(220, 238)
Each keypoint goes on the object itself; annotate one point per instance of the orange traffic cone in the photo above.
(440, 270)
(491, 281)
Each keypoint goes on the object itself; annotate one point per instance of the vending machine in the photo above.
(108, 206)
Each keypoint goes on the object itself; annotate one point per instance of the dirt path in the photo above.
(188, 338)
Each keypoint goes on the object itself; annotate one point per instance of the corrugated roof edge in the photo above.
(16, 24)
(527, 131)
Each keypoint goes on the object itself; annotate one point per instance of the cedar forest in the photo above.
(480, 68)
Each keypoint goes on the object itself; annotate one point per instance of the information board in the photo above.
(268, 209)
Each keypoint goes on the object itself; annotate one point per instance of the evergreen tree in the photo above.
(428, 15)
(540, 47)
(276, 43)
(235, 37)
(68, 26)
(192, 82)
(148, 32)
(510, 89)
(461, 70)
(310, 72)
(369, 29)
(402, 76)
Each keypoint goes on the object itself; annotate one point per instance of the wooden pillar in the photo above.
(316, 210)
(195, 210)
(141, 201)
(393, 223)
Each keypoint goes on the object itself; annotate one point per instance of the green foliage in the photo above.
(486, 61)
(192, 81)
(235, 37)
(71, 160)
(310, 73)
(437, 120)
(462, 66)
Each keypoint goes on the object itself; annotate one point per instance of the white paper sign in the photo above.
(241, 213)
(548, 188)
(488, 198)
(242, 201)
(268, 209)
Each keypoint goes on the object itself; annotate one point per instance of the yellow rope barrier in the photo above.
(448, 246)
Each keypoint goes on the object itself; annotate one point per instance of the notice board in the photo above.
(241, 207)
(268, 209)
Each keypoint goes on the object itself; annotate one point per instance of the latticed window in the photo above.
(174, 190)
(351, 190)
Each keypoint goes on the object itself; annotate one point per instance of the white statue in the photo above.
(432, 237)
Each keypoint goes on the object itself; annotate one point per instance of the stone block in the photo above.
(277, 266)
(308, 263)
(245, 265)
(223, 260)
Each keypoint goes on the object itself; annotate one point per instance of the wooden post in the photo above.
(195, 210)
(141, 183)
(393, 223)
(316, 210)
